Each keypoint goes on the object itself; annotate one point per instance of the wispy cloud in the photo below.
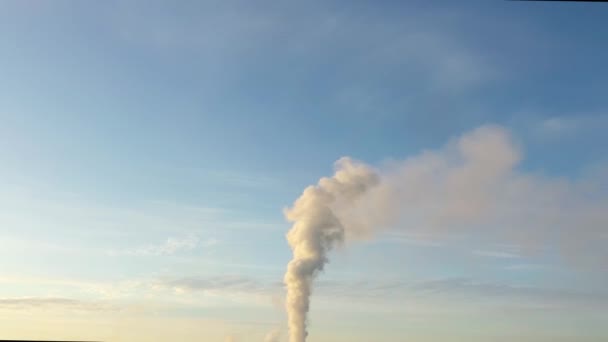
(565, 126)
(525, 267)
(171, 246)
(72, 213)
(414, 239)
(54, 223)
(90, 289)
(457, 289)
(430, 296)
(431, 46)
(242, 180)
(218, 284)
(496, 254)
(52, 303)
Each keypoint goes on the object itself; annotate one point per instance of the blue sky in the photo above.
(149, 149)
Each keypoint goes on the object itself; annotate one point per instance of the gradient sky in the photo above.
(148, 150)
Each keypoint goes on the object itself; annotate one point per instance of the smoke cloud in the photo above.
(471, 185)
(316, 230)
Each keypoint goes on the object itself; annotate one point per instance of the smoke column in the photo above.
(471, 185)
(316, 230)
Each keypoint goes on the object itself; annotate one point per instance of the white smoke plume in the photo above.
(470, 185)
(316, 230)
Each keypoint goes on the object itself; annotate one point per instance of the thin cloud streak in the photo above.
(52, 303)
(171, 246)
(496, 254)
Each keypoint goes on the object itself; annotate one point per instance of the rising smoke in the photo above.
(471, 184)
(316, 230)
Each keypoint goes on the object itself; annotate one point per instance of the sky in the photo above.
(149, 149)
